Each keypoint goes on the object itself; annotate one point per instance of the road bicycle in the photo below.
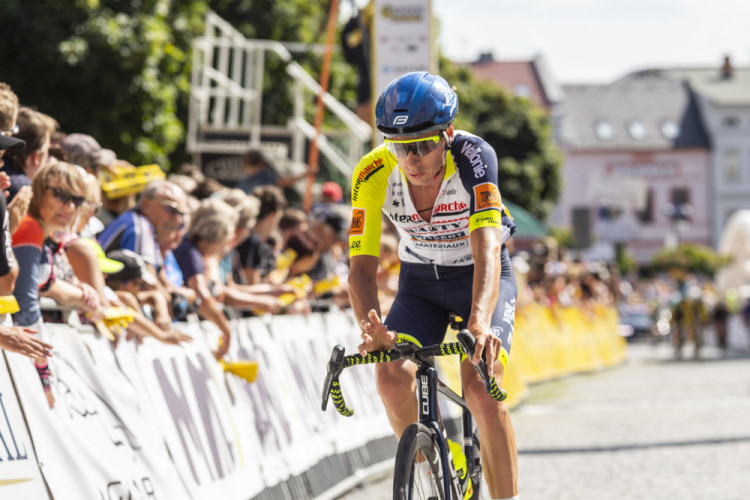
(427, 466)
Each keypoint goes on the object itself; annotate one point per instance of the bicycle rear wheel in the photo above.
(418, 470)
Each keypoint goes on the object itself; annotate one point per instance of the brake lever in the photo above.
(468, 342)
(335, 367)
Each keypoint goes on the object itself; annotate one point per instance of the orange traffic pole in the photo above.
(320, 109)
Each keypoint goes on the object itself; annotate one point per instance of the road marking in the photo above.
(620, 405)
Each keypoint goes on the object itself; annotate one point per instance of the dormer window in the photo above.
(637, 130)
(669, 129)
(604, 130)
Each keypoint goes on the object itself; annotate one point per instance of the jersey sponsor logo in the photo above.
(358, 222)
(454, 206)
(453, 227)
(355, 245)
(365, 174)
(486, 195)
(431, 238)
(485, 220)
(400, 120)
(441, 245)
(402, 219)
(472, 153)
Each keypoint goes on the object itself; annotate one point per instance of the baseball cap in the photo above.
(332, 191)
(84, 150)
(334, 218)
(10, 143)
(134, 267)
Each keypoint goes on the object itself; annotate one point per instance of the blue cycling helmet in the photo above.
(416, 103)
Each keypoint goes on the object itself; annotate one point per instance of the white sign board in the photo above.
(402, 41)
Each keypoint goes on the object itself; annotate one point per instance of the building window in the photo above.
(604, 130)
(731, 121)
(680, 204)
(732, 165)
(637, 130)
(522, 90)
(646, 216)
(669, 129)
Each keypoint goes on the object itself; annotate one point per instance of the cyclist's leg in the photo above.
(396, 382)
(498, 446)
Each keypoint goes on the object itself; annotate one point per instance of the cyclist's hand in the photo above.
(375, 336)
(488, 343)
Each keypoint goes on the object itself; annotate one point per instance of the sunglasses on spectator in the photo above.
(420, 147)
(172, 207)
(10, 131)
(66, 197)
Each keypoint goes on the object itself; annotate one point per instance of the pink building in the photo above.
(636, 167)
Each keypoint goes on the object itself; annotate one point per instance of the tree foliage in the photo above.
(689, 258)
(120, 69)
(115, 69)
(520, 133)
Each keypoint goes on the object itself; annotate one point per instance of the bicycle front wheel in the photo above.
(418, 472)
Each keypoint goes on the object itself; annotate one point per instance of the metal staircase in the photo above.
(225, 109)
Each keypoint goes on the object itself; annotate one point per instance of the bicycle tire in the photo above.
(408, 483)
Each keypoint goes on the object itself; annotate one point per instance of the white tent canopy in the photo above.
(735, 241)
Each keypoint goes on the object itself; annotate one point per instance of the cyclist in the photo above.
(439, 186)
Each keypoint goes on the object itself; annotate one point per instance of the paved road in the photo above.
(654, 428)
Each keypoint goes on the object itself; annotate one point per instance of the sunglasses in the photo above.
(420, 147)
(172, 207)
(66, 197)
(10, 131)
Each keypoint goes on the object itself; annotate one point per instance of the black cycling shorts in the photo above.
(428, 294)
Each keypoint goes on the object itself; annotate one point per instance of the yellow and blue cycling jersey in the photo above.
(469, 198)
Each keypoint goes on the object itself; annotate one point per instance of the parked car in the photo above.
(636, 321)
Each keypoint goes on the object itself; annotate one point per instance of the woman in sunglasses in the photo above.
(57, 195)
(439, 187)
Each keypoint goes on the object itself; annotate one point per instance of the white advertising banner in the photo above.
(403, 40)
(161, 421)
(191, 409)
(85, 449)
(19, 474)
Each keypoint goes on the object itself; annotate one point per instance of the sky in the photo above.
(597, 41)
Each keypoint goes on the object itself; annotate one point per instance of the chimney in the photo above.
(485, 57)
(726, 69)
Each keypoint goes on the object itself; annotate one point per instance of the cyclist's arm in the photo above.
(485, 248)
(363, 285)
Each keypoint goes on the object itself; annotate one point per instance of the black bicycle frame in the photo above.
(428, 386)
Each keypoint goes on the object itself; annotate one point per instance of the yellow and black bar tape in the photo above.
(496, 392)
(338, 400)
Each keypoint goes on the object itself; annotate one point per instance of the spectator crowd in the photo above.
(88, 238)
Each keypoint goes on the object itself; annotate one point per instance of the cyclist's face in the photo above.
(421, 167)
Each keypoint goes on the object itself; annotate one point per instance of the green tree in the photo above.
(520, 133)
(688, 258)
(120, 69)
(115, 69)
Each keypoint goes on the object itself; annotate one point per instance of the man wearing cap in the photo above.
(162, 208)
(331, 227)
